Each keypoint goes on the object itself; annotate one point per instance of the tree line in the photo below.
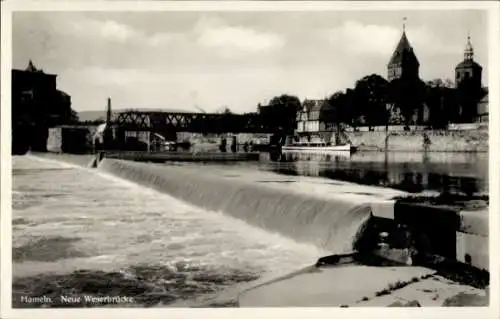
(374, 101)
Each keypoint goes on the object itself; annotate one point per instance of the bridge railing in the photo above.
(190, 122)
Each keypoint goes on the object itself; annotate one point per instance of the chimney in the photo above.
(108, 113)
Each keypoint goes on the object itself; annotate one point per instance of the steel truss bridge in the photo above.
(171, 122)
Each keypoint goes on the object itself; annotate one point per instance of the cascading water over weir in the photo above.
(329, 217)
(337, 217)
(347, 222)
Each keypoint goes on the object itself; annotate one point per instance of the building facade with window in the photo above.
(37, 104)
(315, 120)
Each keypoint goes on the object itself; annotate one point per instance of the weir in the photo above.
(328, 224)
(362, 231)
(161, 157)
(337, 217)
(332, 222)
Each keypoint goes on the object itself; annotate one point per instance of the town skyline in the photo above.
(185, 60)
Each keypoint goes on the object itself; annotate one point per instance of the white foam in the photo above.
(113, 217)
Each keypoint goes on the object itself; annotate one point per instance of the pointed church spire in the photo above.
(469, 51)
(403, 61)
(404, 49)
(31, 67)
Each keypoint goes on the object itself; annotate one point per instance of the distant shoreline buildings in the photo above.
(37, 104)
(315, 116)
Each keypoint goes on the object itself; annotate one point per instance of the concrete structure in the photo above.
(70, 139)
(459, 237)
(339, 286)
(449, 232)
(328, 287)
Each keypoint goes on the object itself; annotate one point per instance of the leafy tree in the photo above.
(336, 108)
(337, 114)
(408, 95)
(372, 93)
(441, 99)
(352, 112)
(225, 110)
(440, 83)
(281, 114)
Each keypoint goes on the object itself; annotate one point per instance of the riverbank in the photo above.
(421, 141)
(396, 286)
(404, 141)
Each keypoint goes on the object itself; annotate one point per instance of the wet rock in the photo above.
(466, 300)
(413, 303)
(47, 249)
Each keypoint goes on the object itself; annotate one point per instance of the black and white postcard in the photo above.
(250, 158)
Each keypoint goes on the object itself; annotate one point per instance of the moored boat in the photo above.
(317, 147)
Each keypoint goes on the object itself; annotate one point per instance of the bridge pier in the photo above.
(223, 144)
(131, 137)
(234, 144)
(165, 123)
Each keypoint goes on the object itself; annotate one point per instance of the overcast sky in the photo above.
(177, 60)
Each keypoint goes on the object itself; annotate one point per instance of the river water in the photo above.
(79, 232)
(435, 172)
(455, 173)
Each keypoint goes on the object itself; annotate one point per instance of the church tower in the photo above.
(468, 84)
(468, 71)
(404, 62)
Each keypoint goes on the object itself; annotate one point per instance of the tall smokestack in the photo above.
(108, 113)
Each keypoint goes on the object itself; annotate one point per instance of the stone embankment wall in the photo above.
(70, 139)
(418, 141)
(197, 138)
(455, 233)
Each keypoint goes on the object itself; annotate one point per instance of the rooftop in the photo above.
(403, 52)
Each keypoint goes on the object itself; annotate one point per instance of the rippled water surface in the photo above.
(78, 231)
(452, 173)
